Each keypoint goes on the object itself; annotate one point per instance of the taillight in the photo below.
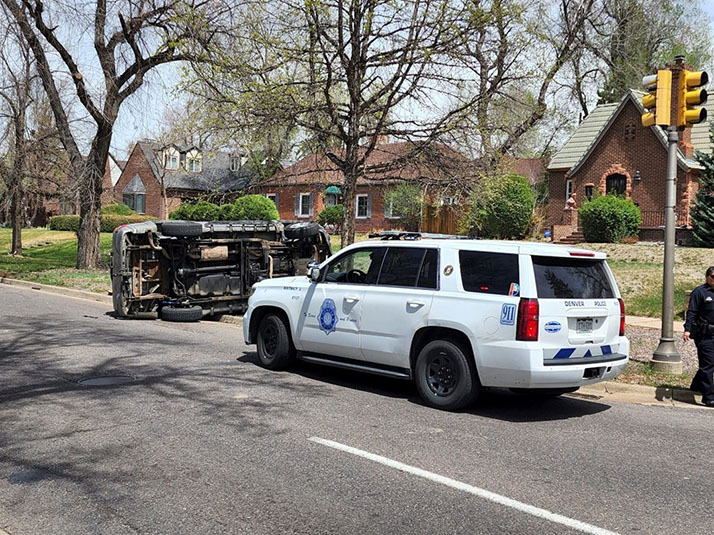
(622, 317)
(527, 324)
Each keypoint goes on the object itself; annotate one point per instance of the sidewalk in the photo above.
(608, 391)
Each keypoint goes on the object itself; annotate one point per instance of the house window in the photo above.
(389, 211)
(172, 161)
(235, 163)
(135, 201)
(630, 131)
(616, 184)
(568, 189)
(194, 165)
(330, 199)
(273, 197)
(589, 192)
(448, 200)
(304, 205)
(363, 209)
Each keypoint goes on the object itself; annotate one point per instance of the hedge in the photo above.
(609, 218)
(107, 222)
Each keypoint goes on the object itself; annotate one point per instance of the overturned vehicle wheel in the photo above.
(181, 314)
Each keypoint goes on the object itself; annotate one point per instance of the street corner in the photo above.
(642, 395)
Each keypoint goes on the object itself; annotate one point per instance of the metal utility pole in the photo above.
(666, 358)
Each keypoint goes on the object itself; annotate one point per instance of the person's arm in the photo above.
(691, 316)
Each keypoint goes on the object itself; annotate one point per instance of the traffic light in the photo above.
(657, 101)
(690, 95)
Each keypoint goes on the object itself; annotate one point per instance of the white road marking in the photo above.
(476, 491)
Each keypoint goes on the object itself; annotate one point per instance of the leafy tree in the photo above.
(129, 40)
(609, 218)
(501, 207)
(703, 212)
(407, 202)
(255, 207)
(332, 216)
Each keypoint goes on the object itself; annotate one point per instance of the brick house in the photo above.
(611, 152)
(303, 189)
(186, 172)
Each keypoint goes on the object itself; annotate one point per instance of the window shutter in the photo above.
(277, 204)
(369, 205)
(312, 196)
(297, 204)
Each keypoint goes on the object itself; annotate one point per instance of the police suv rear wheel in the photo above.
(275, 351)
(445, 377)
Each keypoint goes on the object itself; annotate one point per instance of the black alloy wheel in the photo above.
(275, 350)
(445, 376)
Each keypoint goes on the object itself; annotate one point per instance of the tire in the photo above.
(301, 230)
(544, 392)
(445, 377)
(182, 229)
(181, 314)
(275, 350)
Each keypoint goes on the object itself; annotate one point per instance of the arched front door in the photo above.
(616, 184)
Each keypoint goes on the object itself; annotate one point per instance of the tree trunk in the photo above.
(17, 219)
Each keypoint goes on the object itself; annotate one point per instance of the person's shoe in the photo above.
(708, 403)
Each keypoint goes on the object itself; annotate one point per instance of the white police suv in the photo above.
(455, 315)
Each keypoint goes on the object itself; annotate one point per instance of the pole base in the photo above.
(666, 358)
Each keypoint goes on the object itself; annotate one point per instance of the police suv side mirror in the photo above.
(313, 272)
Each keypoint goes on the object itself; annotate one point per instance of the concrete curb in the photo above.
(69, 292)
(611, 391)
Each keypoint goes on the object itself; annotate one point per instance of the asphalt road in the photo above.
(203, 440)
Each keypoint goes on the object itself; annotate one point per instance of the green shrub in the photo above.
(609, 218)
(205, 211)
(114, 208)
(185, 211)
(255, 207)
(500, 207)
(107, 223)
(226, 212)
(331, 215)
(65, 222)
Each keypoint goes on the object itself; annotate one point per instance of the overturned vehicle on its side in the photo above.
(185, 270)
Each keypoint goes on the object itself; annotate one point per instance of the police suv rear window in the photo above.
(492, 273)
(571, 278)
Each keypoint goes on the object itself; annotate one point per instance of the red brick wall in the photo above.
(138, 164)
(286, 205)
(614, 154)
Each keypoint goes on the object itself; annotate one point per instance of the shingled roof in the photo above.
(388, 163)
(586, 137)
(215, 174)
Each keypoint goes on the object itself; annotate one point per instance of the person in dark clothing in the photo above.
(699, 326)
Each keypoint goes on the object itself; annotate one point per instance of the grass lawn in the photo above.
(49, 257)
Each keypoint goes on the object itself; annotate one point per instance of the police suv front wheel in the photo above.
(275, 351)
(445, 377)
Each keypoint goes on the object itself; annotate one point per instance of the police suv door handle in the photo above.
(351, 298)
(413, 303)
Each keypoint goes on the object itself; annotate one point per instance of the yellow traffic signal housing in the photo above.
(690, 94)
(657, 102)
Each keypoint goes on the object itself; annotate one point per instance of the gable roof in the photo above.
(387, 163)
(587, 136)
(215, 174)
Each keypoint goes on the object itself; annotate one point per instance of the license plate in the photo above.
(584, 325)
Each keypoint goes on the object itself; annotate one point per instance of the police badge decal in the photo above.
(328, 316)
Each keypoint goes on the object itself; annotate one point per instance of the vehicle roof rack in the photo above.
(406, 235)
